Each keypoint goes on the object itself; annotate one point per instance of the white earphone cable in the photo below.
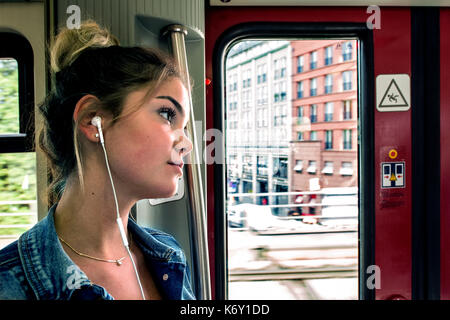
(119, 221)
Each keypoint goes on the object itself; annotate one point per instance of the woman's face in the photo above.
(146, 148)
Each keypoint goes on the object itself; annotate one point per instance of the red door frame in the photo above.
(392, 55)
(445, 153)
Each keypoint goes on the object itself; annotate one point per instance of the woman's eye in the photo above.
(167, 113)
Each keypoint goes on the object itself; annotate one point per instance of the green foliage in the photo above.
(9, 96)
(17, 171)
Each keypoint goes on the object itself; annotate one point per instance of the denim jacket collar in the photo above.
(52, 275)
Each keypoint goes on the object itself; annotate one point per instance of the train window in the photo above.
(9, 98)
(18, 207)
(292, 233)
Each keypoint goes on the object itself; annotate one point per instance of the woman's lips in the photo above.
(177, 166)
(180, 165)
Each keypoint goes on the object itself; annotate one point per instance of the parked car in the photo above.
(251, 216)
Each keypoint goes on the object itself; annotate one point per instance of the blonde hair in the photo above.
(71, 42)
(89, 60)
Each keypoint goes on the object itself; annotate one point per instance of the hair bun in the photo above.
(69, 43)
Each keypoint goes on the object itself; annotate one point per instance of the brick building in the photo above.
(323, 149)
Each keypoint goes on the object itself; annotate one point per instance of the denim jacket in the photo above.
(36, 267)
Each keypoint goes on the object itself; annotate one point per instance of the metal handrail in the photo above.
(194, 180)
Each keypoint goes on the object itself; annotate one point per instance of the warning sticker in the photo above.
(392, 175)
(393, 92)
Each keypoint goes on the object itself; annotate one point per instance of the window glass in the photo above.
(300, 64)
(328, 83)
(347, 80)
(313, 87)
(292, 191)
(18, 209)
(9, 96)
(300, 89)
(17, 170)
(329, 106)
(328, 55)
(313, 60)
(347, 50)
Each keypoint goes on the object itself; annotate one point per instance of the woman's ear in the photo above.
(83, 114)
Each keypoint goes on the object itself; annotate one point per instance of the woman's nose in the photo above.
(184, 146)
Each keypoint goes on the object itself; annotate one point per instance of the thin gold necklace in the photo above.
(118, 261)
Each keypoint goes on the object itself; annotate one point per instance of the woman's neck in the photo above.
(86, 219)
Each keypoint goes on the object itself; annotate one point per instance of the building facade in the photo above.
(323, 149)
(291, 117)
(258, 118)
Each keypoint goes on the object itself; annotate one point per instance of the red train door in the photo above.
(400, 236)
(444, 157)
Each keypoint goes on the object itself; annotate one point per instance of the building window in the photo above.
(233, 83)
(328, 167)
(313, 87)
(261, 166)
(347, 80)
(279, 68)
(347, 110)
(261, 95)
(347, 51)
(313, 114)
(300, 115)
(328, 55)
(246, 99)
(298, 165)
(233, 102)
(280, 167)
(259, 115)
(313, 60)
(283, 67)
(312, 168)
(280, 116)
(283, 91)
(328, 83)
(299, 89)
(328, 140)
(246, 82)
(313, 136)
(300, 64)
(346, 169)
(300, 136)
(329, 106)
(276, 93)
(261, 73)
(347, 139)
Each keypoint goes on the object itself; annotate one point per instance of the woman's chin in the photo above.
(165, 192)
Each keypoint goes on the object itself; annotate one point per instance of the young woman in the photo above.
(141, 104)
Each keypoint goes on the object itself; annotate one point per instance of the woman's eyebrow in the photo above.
(175, 103)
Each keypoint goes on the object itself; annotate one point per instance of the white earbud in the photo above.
(97, 121)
